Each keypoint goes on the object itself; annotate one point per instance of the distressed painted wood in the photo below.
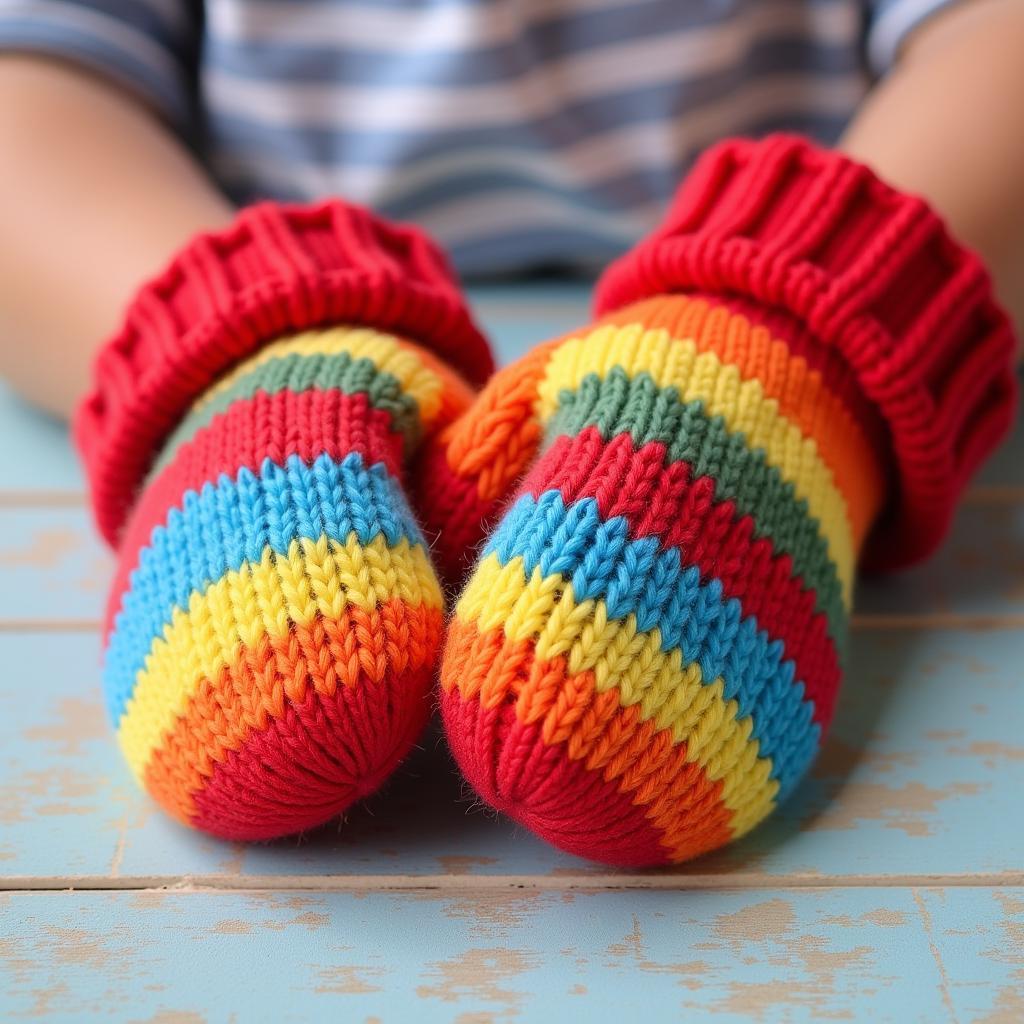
(36, 460)
(54, 567)
(906, 955)
(889, 888)
(978, 573)
(922, 775)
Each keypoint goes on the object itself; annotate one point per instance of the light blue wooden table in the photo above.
(891, 887)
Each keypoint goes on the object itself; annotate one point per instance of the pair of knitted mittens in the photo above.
(661, 515)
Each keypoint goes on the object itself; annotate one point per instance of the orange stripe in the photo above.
(802, 394)
(498, 438)
(359, 648)
(456, 395)
(676, 795)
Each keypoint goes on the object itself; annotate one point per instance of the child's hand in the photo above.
(95, 195)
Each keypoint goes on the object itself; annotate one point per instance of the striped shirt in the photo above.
(520, 132)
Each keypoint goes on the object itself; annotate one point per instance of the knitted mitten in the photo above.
(794, 375)
(274, 624)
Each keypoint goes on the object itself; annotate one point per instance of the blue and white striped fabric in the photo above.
(520, 132)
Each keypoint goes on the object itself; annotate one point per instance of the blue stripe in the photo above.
(574, 122)
(168, 93)
(178, 38)
(244, 141)
(410, 5)
(635, 577)
(558, 37)
(583, 246)
(222, 526)
(611, 197)
(549, 37)
(882, 49)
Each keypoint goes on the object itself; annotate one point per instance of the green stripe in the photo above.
(298, 372)
(620, 404)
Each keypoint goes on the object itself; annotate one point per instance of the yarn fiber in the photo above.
(647, 653)
(648, 650)
(274, 624)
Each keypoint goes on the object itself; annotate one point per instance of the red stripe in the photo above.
(454, 517)
(307, 424)
(555, 708)
(835, 371)
(663, 501)
(538, 785)
(315, 760)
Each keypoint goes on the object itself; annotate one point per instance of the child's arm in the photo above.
(946, 124)
(95, 192)
(94, 195)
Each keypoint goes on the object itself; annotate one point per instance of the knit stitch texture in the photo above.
(275, 622)
(649, 648)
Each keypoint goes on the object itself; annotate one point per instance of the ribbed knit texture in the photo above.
(275, 621)
(276, 269)
(649, 647)
(274, 626)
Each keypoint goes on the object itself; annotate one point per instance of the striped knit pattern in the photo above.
(649, 647)
(522, 133)
(275, 621)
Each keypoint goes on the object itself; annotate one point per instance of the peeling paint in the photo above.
(1008, 1008)
(77, 721)
(910, 808)
(56, 787)
(838, 759)
(881, 917)
(46, 550)
(308, 920)
(633, 949)
(172, 1017)
(232, 864)
(348, 980)
(989, 752)
(808, 974)
(149, 899)
(482, 974)
(771, 919)
(78, 947)
(462, 864)
(936, 952)
(487, 911)
(46, 1000)
(233, 926)
(944, 735)
(1011, 924)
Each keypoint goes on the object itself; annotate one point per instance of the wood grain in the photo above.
(889, 888)
(888, 955)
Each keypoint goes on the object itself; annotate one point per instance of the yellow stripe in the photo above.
(388, 353)
(264, 598)
(742, 404)
(544, 609)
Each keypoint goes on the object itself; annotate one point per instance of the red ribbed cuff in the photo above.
(872, 273)
(276, 269)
